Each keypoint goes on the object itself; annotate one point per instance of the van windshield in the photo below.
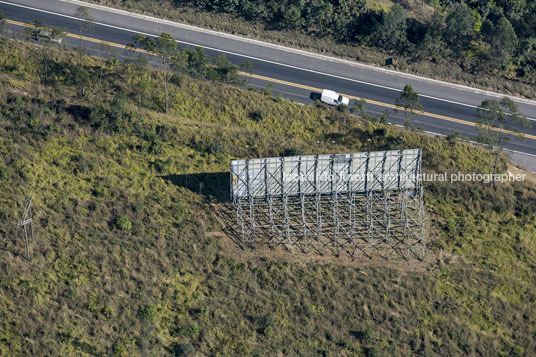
(340, 98)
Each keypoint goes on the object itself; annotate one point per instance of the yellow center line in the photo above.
(296, 85)
(85, 38)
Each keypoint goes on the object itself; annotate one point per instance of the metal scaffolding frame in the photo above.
(367, 203)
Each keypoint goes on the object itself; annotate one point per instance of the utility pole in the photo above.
(24, 222)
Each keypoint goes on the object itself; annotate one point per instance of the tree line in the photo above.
(482, 35)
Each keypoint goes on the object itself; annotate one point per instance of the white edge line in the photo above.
(475, 142)
(287, 49)
(472, 142)
(480, 144)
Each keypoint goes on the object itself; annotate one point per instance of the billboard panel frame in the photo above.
(368, 202)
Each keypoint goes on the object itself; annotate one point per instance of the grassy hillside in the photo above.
(130, 257)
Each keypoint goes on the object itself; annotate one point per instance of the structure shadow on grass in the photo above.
(215, 188)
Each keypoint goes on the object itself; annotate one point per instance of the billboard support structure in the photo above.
(368, 203)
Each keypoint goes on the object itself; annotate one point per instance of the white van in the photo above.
(332, 98)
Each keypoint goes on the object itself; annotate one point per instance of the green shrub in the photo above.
(183, 349)
(452, 139)
(124, 223)
(147, 312)
(297, 151)
(319, 104)
(119, 349)
(94, 302)
(258, 115)
(107, 312)
(162, 165)
(343, 108)
(373, 351)
(192, 330)
(267, 91)
(4, 172)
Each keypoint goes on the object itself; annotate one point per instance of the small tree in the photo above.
(460, 26)
(3, 24)
(44, 65)
(55, 34)
(58, 33)
(496, 122)
(166, 48)
(142, 83)
(140, 64)
(84, 13)
(246, 67)
(109, 67)
(87, 21)
(452, 138)
(224, 70)
(80, 78)
(504, 40)
(384, 117)
(409, 100)
(360, 108)
(197, 61)
(141, 41)
(393, 28)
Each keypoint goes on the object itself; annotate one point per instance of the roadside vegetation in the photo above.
(130, 258)
(487, 44)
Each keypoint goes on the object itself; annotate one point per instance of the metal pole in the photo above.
(27, 243)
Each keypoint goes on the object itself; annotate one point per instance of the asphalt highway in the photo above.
(294, 74)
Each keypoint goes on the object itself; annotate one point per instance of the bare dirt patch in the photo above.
(530, 177)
